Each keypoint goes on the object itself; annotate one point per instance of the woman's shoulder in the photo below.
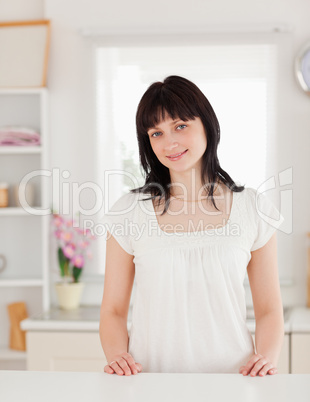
(125, 203)
(253, 195)
(253, 200)
(262, 203)
(248, 194)
(245, 200)
(251, 191)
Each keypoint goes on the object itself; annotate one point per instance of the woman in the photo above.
(188, 253)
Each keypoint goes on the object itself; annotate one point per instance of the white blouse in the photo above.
(189, 310)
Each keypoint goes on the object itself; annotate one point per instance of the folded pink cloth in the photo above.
(19, 136)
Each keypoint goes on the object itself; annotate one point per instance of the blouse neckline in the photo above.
(232, 211)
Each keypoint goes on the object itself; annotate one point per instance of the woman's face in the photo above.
(174, 136)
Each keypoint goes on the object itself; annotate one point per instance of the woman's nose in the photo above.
(171, 147)
(171, 143)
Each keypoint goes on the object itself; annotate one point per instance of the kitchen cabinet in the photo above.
(82, 351)
(300, 353)
(24, 236)
(300, 340)
(66, 351)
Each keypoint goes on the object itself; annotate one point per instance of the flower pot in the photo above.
(69, 295)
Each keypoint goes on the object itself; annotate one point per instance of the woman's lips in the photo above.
(177, 157)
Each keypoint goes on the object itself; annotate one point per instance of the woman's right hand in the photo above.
(122, 364)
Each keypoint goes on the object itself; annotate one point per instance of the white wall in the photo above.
(18, 10)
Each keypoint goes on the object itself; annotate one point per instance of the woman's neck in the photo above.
(188, 186)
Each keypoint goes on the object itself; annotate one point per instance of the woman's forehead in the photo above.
(168, 119)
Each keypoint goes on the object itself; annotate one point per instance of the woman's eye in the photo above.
(154, 136)
(182, 126)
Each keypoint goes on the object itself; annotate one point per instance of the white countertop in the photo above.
(38, 386)
(86, 318)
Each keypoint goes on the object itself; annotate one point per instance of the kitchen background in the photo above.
(91, 40)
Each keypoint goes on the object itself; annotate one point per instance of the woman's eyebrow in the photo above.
(173, 122)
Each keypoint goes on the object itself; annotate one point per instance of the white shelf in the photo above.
(11, 150)
(28, 273)
(4, 283)
(16, 211)
(10, 354)
(22, 91)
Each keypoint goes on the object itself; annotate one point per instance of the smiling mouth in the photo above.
(176, 155)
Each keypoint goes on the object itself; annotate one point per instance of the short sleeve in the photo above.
(267, 218)
(118, 221)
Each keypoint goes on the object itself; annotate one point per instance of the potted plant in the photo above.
(72, 250)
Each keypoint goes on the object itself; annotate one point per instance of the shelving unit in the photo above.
(13, 211)
(21, 282)
(24, 235)
(21, 150)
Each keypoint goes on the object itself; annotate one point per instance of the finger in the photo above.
(251, 363)
(131, 363)
(139, 367)
(123, 364)
(257, 367)
(242, 369)
(265, 369)
(115, 366)
(245, 370)
(273, 371)
(108, 369)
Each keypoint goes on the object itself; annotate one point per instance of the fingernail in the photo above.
(244, 372)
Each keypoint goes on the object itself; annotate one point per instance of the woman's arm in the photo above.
(267, 302)
(118, 283)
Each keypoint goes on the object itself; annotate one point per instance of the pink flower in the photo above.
(79, 230)
(89, 234)
(73, 240)
(69, 223)
(66, 236)
(78, 261)
(58, 233)
(83, 244)
(68, 250)
(58, 221)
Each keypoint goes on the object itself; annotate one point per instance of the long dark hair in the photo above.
(177, 97)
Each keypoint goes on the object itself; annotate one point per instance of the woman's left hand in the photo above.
(258, 365)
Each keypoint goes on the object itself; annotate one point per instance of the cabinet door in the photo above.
(64, 351)
(284, 358)
(300, 353)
